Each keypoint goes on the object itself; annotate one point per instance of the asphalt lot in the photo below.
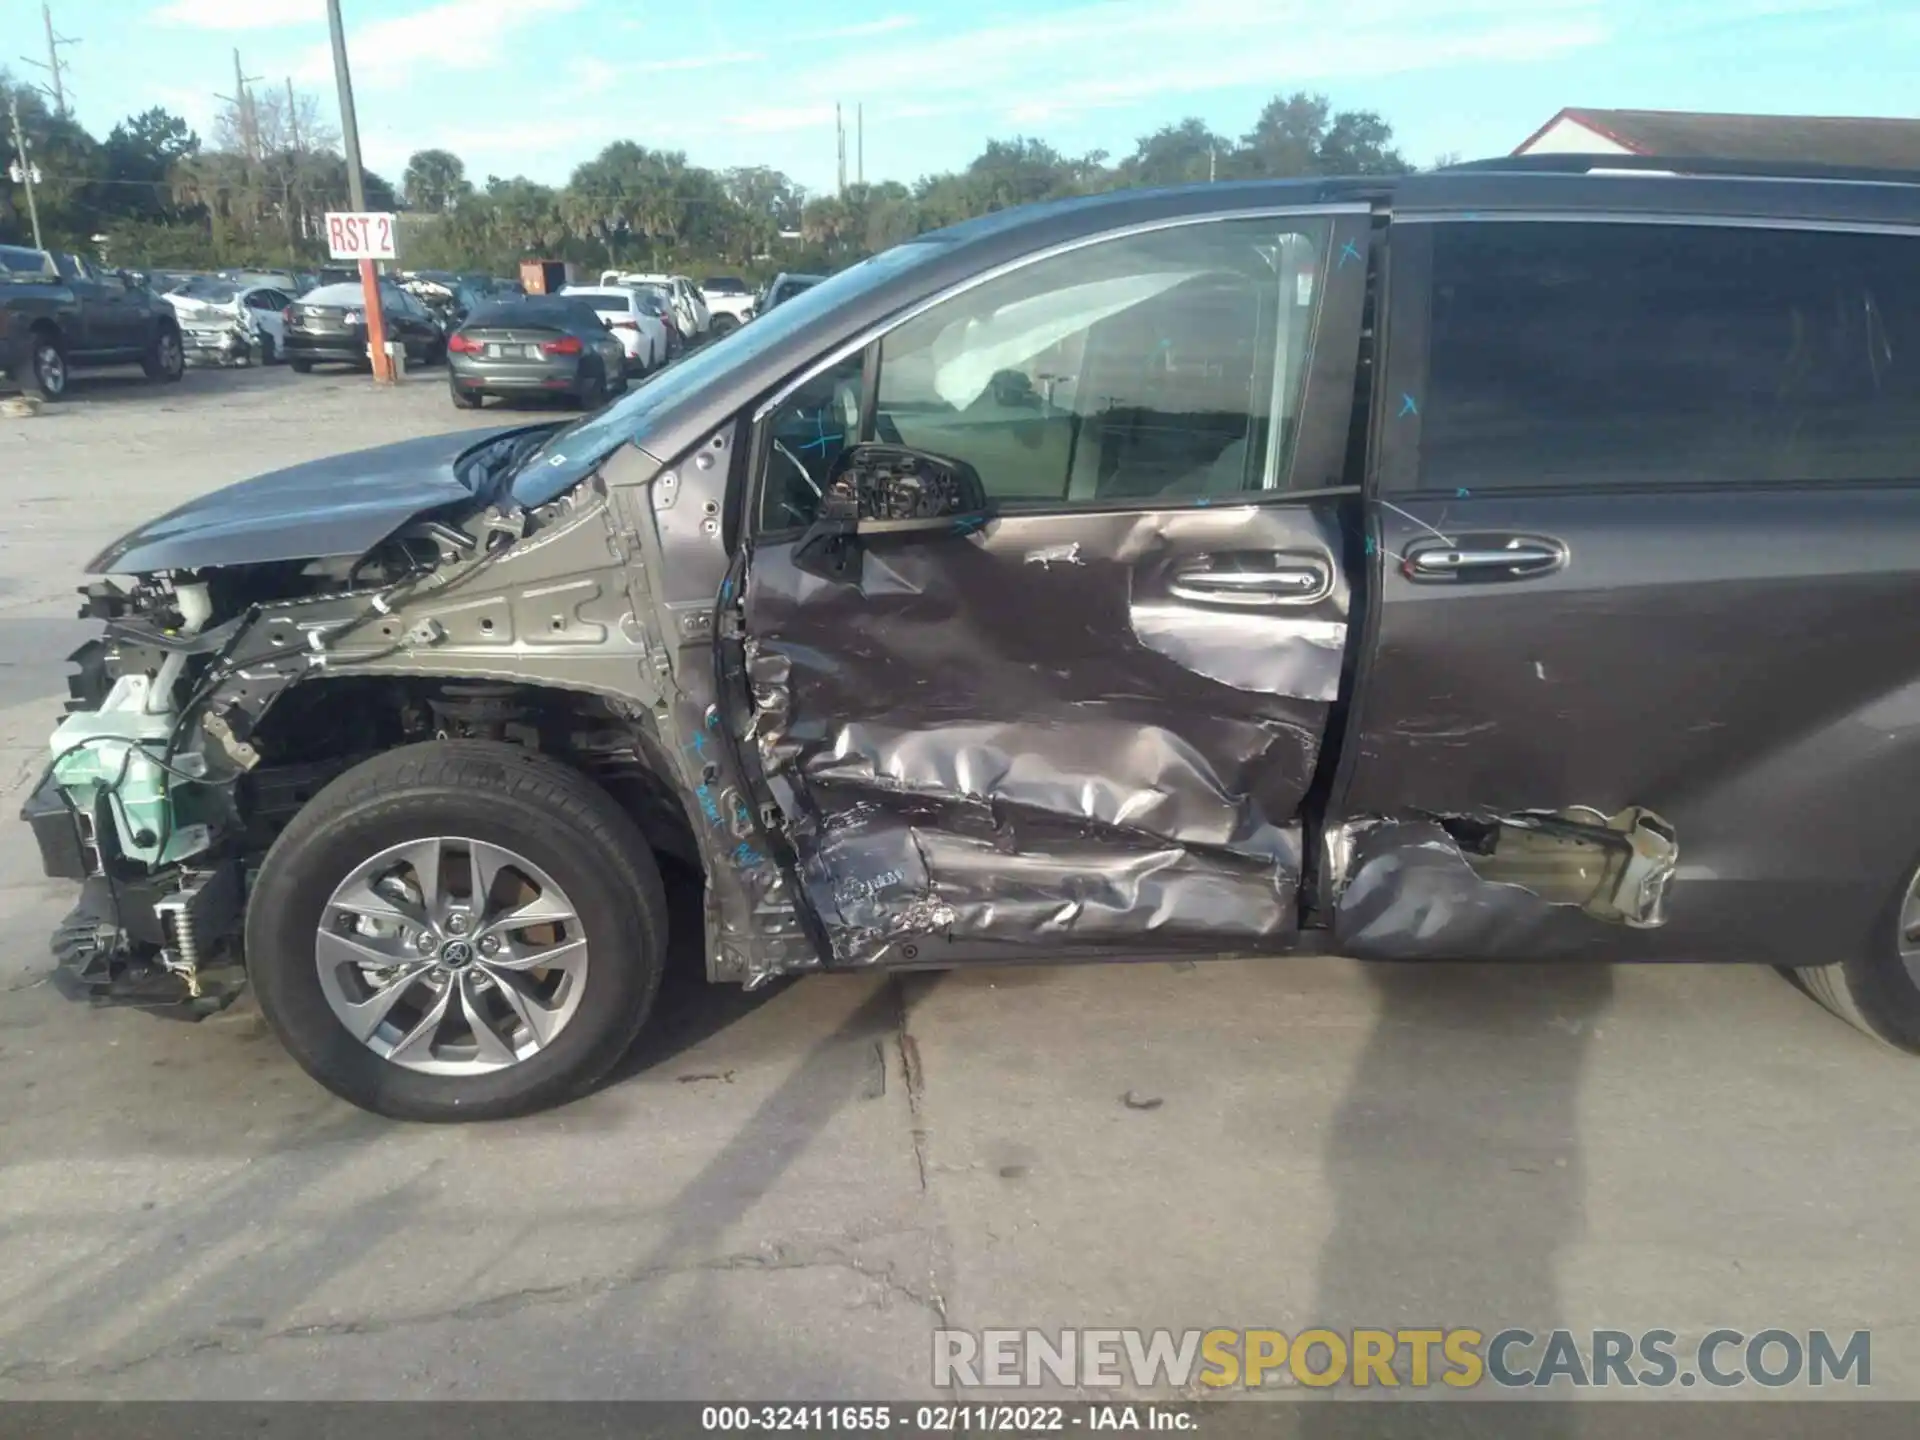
(785, 1192)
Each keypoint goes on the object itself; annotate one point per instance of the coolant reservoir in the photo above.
(119, 748)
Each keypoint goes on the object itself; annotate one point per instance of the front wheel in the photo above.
(46, 377)
(724, 325)
(165, 360)
(1878, 990)
(269, 352)
(301, 367)
(464, 399)
(457, 930)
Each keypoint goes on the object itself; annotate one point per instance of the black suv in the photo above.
(1498, 563)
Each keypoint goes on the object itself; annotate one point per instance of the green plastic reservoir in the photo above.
(119, 745)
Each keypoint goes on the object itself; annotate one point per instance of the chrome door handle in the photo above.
(1484, 557)
(1275, 585)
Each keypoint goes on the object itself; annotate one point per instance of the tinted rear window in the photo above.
(1588, 354)
(552, 310)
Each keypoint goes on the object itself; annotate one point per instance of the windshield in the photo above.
(213, 292)
(572, 451)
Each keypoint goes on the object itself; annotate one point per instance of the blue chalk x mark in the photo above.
(1371, 547)
(1407, 407)
(1348, 251)
(966, 524)
(1462, 493)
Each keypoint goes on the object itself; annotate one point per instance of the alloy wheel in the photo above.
(451, 956)
(50, 368)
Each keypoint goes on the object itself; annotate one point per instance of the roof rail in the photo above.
(1551, 164)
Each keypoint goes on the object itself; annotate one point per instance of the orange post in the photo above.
(376, 325)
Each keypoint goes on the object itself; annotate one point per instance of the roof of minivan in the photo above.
(1517, 187)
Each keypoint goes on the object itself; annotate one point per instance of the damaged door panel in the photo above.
(1465, 887)
(971, 745)
(1042, 655)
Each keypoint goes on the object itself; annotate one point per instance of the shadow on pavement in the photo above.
(1455, 1161)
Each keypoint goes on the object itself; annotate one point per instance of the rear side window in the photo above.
(1594, 355)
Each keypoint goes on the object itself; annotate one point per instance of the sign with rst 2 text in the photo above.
(360, 235)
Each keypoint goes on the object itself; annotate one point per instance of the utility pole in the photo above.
(1213, 163)
(840, 148)
(53, 65)
(349, 131)
(25, 162)
(860, 142)
(357, 195)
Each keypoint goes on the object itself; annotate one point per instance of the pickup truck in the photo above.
(1506, 562)
(59, 311)
(730, 302)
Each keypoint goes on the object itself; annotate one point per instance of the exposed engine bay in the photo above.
(222, 698)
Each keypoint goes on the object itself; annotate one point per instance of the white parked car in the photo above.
(231, 322)
(690, 310)
(642, 335)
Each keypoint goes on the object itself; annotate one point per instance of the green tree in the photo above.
(141, 153)
(435, 180)
(1180, 154)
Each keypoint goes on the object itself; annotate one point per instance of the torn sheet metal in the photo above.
(1024, 735)
(886, 882)
(1282, 654)
(1467, 887)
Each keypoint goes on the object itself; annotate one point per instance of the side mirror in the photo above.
(877, 489)
(892, 488)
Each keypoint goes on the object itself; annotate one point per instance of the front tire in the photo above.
(301, 367)
(47, 376)
(165, 360)
(1877, 991)
(381, 944)
(723, 325)
(464, 399)
(269, 352)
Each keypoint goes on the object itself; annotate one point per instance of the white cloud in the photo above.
(885, 25)
(240, 14)
(452, 35)
(1112, 52)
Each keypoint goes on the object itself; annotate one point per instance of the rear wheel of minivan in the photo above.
(1878, 991)
(457, 930)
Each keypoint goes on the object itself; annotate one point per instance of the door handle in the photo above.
(1280, 580)
(1483, 557)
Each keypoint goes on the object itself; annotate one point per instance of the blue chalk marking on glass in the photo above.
(1348, 251)
(726, 590)
(968, 523)
(1370, 545)
(1407, 407)
(1462, 493)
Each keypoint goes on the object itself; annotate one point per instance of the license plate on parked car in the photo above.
(507, 352)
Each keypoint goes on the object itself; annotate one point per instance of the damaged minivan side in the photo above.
(1497, 563)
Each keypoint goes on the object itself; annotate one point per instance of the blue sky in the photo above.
(535, 86)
